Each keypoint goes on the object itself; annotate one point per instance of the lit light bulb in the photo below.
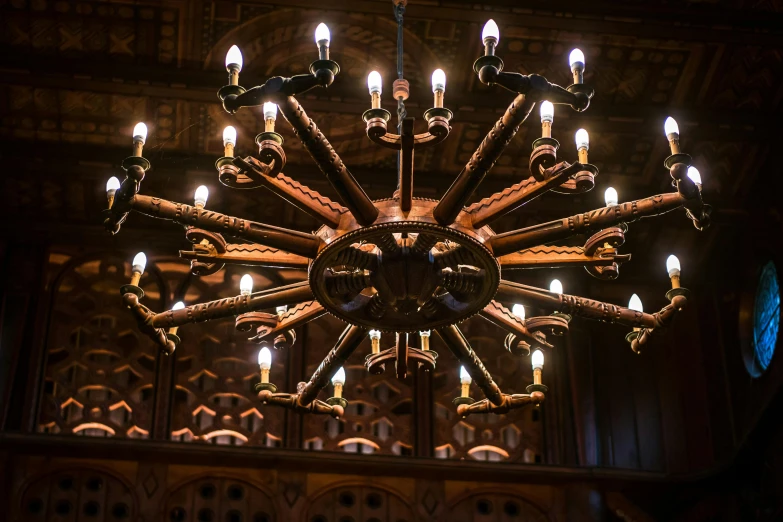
(140, 132)
(270, 111)
(265, 358)
(339, 377)
(556, 286)
(139, 262)
(610, 197)
(673, 265)
(576, 57)
(582, 139)
(375, 334)
(635, 303)
(464, 376)
(201, 196)
(538, 360)
(670, 127)
(374, 82)
(112, 185)
(234, 58)
(490, 31)
(229, 136)
(281, 309)
(438, 80)
(519, 311)
(179, 305)
(547, 111)
(695, 175)
(425, 333)
(246, 285)
(322, 35)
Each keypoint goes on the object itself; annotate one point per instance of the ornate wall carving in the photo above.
(354, 502)
(218, 499)
(494, 507)
(100, 371)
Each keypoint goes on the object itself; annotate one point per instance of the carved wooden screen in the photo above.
(493, 506)
(353, 502)
(378, 418)
(517, 435)
(100, 371)
(219, 499)
(216, 370)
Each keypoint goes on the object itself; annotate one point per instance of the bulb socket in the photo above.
(674, 142)
(269, 125)
(546, 129)
(323, 49)
(438, 99)
(582, 155)
(135, 278)
(578, 69)
(375, 100)
(490, 44)
(233, 74)
(228, 150)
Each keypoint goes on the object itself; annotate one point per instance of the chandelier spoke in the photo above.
(284, 323)
(500, 203)
(502, 317)
(327, 159)
(293, 241)
(461, 349)
(248, 254)
(481, 162)
(349, 340)
(301, 196)
(233, 306)
(506, 243)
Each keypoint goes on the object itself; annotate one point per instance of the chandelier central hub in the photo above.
(405, 273)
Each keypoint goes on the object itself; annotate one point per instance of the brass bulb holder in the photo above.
(372, 114)
(563, 316)
(677, 158)
(228, 90)
(631, 336)
(136, 161)
(544, 141)
(320, 65)
(173, 338)
(463, 400)
(584, 93)
(268, 136)
(132, 289)
(674, 292)
(536, 387)
(487, 61)
(438, 112)
(337, 401)
(265, 386)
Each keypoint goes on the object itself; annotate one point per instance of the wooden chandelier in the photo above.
(404, 264)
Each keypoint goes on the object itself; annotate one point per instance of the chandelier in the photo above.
(405, 265)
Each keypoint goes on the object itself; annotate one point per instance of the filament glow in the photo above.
(140, 262)
(490, 31)
(670, 127)
(229, 136)
(270, 111)
(582, 139)
(140, 132)
(438, 80)
(246, 284)
(201, 196)
(576, 56)
(322, 34)
(374, 82)
(537, 359)
(610, 197)
(264, 358)
(672, 265)
(547, 111)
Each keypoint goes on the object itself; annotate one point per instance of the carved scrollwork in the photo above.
(144, 317)
(508, 403)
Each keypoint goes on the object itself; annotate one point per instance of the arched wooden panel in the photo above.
(493, 507)
(355, 503)
(219, 499)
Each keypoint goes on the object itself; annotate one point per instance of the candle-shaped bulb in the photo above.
(490, 32)
(693, 173)
(270, 111)
(112, 185)
(281, 309)
(635, 303)
(229, 136)
(547, 111)
(375, 334)
(582, 140)
(322, 35)
(556, 286)
(246, 285)
(670, 127)
(576, 59)
(374, 82)
(519, 311)
(140, 132)
(610, 197)
(438, 80)
(179, 305)
(425, 333)
(139, 263)
(339, 377)
(464, 376)
(673, 265)
(537, 359)
(234, 58)
(265, 358)
(201, 196)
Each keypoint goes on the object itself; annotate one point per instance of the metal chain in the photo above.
(399, 11)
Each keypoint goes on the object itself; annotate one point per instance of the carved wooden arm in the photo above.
(293, 241)
(485, 156)
(501, 316)
(232, 306)
(144, 317)
(508, 403)
(664, 318)
(249, 254)
(459, 346)
(293, 402)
